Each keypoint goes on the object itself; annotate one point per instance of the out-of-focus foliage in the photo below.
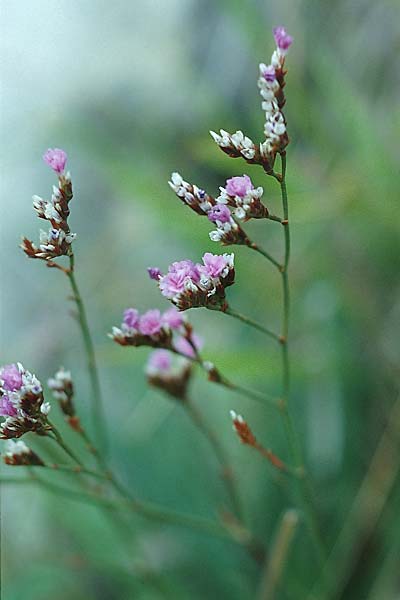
(130, 90)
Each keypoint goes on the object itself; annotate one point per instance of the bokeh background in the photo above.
(130, 90)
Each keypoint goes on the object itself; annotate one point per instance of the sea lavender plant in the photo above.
(176, 347)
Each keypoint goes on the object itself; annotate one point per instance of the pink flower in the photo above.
(56, 159)
(238, 186)
(215, 264)
(172, 318)
(159, 360)
(11, 377)
(219, 212)
(268, 72)
(7, 409)
(282, 39)
(184, 347)
(185, 267)
(150, 322)
(179, 273)
(131, 318)
(154, 273)
(173, 284)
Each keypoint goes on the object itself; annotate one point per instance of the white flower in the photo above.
(216, 235)
(240, 212)
(248, 153)
(45, 408)
(176, 179)
(16, 448)
(236, 417)
(275, 60)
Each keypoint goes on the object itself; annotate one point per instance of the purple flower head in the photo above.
(283, 40)
(7, 409)
(238, 186)
(11, 377)
(154, 273)
(172, 318)
(184, 347)
(131, 318)
(219, 212)
(56, 159)
(150, 322)
(185, 268)
(179, 273)
(173, 284)
(268, 72)
(214, 264)
(159, 360)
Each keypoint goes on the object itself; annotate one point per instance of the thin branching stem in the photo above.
(295, 448)
(147, 510)
(227, 474)
(254, 324)
(70, 469)
(60, 441)
(97, 404)
(266, 255)
(275, 566)
(152, 511)
(94, 451)
(261, 397)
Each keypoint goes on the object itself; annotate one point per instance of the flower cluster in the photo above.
(62, 389)
(58, 239)
(190, 285)
(18, 454)
(271, 83)
(165, 374)
(242, 429)
(244, 198)
(246, 436)
(237, 145)
(168, 330)
(239, 194)
(21, 402)
(196, 198)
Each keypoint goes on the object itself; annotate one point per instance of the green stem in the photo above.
(305, 486)
(274, 218)
(274, 567)
(264, 253)
(69, 469)
(97, 405)
(227, 474)
(147, 510)
(248, 321)
(222, 380)
(252, 394)
(60, 441)
(93, 450)
(363, 515)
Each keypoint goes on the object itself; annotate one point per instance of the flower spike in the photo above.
(190, 285)
(57, 240)
(271, 83)
(21, 403)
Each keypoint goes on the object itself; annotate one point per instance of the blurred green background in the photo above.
(130, 90)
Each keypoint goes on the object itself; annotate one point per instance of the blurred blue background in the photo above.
(130, 90)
